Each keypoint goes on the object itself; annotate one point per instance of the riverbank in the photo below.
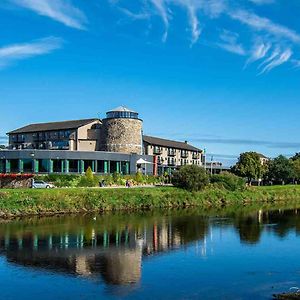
(23, 202)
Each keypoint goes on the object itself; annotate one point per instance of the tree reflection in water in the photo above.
(112, 247)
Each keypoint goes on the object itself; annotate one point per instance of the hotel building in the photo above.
(113, 144)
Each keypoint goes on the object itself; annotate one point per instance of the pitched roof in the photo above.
(169, 143)
(73, 124)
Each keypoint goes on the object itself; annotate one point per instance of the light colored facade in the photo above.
(73, 146)
(172, 154)
(79, 135)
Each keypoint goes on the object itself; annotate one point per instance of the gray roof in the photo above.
(64, 125)
(122, 108)
(169, 143)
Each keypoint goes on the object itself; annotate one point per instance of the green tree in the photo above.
(89, 174)
(296, 156)
(296, 167)
(281, 169)
(190, 177)
(228, 181)
(249, 165)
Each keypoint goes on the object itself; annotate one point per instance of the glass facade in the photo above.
(122, 114)
(63, 166)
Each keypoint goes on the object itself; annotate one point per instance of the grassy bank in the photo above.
(43, 202)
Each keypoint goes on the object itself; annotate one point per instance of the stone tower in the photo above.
(122, 131)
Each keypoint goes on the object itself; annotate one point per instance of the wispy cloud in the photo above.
(163, 12)
(230, 43)
(277, 60)
(267, 41)
(59, 10)
(191, 8)
(261, 2)
(248, 142)
(259, 51)
(264, 24)
(15, 52)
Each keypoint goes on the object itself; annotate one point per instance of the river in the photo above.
(178, 254)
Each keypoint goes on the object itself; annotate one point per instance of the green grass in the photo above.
(19, 202)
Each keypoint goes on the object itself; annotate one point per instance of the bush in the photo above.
(191, 178)
(228, 181)
(88, 180)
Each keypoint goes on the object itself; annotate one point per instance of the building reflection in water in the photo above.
(111, 248)
(93, 250)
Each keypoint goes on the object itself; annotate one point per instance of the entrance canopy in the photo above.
(142, 161)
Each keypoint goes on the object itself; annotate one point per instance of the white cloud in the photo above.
(261, 2)
(58, 10)
(135, 16)
(163, 12)
(12, 53)
(276, 59)
(259, 23)
(191, 8)
(230, 43)
(259, 51)
(273, 43)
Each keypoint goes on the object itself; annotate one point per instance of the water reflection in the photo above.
(111, 248)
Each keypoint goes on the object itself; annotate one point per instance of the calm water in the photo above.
(246, 254)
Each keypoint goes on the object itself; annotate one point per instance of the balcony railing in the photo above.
(171, 152)
(184, 154)
(171, 162)
(196, 156)
(157, 150)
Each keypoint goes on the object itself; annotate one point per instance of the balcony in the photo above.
(171, 162)
(171, 152)
(157, 150)
(184, 154)
(196, 156)
(160, 160)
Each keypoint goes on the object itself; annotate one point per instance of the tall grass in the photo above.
(35, 202)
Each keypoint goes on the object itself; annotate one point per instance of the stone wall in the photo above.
(121, 135)
(15, 182)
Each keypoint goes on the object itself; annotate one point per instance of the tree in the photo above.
(89, 174)
(281, 169)
(190, 177)
(296, 167)
(2, 147)
(249, 165)
(296, 156)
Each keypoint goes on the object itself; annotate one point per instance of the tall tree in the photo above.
(296, 156)
(250, 166)
(281, 169)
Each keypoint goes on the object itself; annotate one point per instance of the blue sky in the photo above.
(222, 74)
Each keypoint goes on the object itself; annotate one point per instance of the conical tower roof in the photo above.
(122, 108)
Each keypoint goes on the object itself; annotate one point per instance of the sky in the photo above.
(222, 74)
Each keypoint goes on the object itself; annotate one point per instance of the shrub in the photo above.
(192, 178)
(88, 180)
(228, 181)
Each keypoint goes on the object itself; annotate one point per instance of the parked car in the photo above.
(39, 184)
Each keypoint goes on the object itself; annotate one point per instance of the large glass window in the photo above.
(113, 166)
(27, 165)
(43, 166)
(57, 164)
(88, 163)
(73, 166)
(100, 166)
(122, 114)
(14, 166)
(2, 165)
